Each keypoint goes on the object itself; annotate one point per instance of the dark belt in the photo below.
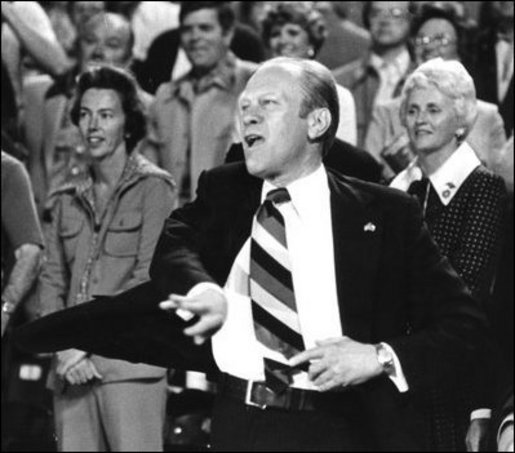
(257, 394)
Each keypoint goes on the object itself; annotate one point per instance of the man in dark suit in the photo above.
(328, 304)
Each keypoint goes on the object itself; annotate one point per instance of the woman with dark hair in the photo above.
(105, 225)
(297, 29)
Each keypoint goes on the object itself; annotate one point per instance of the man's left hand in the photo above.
(339, 362)
(477, 434)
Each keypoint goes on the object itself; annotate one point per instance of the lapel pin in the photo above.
(369, 227)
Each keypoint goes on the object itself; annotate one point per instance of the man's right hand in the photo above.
(67, 359)
(210, 305)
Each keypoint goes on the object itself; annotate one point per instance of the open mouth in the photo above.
(253, 139)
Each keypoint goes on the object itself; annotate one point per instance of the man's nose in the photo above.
(251, 116)
(98, 52)
(195, 34)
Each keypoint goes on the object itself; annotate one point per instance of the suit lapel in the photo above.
(247, 202)
(357, 235)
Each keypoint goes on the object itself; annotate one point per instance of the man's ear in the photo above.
(319, 120)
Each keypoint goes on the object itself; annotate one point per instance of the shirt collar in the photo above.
(401, 62)
(306, 192)
(447, 179)
(221, 76)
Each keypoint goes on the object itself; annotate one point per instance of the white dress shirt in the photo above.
(309, 235)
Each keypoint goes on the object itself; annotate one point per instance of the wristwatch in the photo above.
(8, 307)
(385, 358)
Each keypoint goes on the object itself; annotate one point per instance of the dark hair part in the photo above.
(120, 80)
(225, 13)
(367, 7)
(299, 13)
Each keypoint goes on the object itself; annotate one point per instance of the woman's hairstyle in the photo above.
(120, 80)
(451, 79)
(299, 13)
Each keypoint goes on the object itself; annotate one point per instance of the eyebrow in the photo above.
(104, 109)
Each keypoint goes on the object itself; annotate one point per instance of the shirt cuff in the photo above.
(397, 376)
(187, 315)
(480, 413)
(504, 424)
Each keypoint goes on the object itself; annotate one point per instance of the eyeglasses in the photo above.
(441, 40)
(392, 13)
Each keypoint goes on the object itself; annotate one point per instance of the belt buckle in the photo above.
(248, 397)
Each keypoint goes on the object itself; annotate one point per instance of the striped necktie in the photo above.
(274, 310)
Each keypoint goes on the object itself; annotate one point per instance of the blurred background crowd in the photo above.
(73, 229)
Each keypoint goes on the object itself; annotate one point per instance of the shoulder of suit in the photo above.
(370, 190)
(233, 171)
(227, 183)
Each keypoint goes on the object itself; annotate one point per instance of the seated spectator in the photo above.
(380, 74)
(105, 224)
(296, 29)
(463, 204)
(53, 142)
(193, 118)
(436, 32)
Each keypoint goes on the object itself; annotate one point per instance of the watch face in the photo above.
(384, 357)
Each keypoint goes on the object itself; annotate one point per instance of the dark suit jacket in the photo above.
(341, 157)
(392, 283)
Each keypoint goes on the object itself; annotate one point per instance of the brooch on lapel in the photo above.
(369, 228)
